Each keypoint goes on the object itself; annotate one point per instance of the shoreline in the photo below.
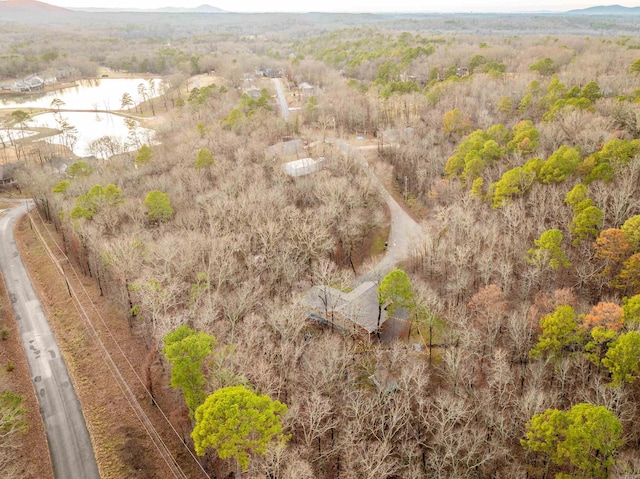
(143, 118)
(11, 94)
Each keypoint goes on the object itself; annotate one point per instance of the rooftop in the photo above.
(303, 166)
(358, 307)
(286, 148)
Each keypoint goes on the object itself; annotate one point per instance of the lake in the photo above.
(100, 94)
(100, 134)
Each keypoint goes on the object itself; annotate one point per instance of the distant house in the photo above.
(306, 89)
(7, 173)
(19, 85)
(405, 77)
(35, 83)
(271, 73)
(302, 167)
(29, 84)
(253, 92)
(286, 148)
(356, 311)
(58, 164)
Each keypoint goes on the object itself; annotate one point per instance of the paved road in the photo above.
(282, 99)
(69, 444)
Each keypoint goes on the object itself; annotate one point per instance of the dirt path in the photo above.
(69, 443)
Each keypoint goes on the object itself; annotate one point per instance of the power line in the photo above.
(107, 358)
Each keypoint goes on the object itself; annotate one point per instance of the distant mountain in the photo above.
(201, 9)
(29, 6)
(607, 10)
(32, 11)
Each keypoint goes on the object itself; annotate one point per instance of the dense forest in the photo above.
(522, 167)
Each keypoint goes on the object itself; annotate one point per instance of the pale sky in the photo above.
(353, 5)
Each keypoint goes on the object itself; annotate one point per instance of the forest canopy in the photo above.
(511, 344)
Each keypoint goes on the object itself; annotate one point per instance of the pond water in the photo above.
(100, 134)
(100, 94)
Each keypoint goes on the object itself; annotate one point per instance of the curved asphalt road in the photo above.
(69, 444)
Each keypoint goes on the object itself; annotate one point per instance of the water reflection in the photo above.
(99, 134)
(96, 94)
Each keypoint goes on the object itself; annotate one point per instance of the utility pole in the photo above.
(406, 178)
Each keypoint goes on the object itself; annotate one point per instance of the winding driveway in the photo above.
(69, 443)
(405, 231)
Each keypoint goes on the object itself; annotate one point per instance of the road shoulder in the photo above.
(32, 456)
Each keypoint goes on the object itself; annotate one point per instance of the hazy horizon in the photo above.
(361, 6)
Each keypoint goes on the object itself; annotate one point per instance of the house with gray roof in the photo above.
(356, 311)
(29, 84)
(285, 148)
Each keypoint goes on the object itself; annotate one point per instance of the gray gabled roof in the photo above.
(359, 306)
(292, 147)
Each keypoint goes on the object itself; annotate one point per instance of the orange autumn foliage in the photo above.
(608, 315)
(612, 245)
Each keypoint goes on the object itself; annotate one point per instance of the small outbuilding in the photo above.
(302, 167)
(306, 89)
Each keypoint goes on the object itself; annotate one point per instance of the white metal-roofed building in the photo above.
(303, 166)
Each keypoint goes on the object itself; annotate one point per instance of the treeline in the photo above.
(171, 43)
